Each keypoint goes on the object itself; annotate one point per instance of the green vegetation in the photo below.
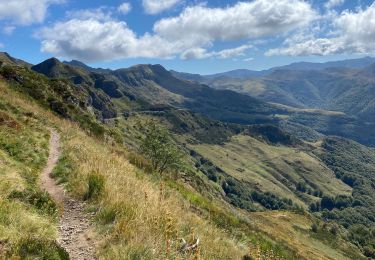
(28, 216)
(96, 185)
(160, 149)
(307, 92)
(160, 173)
(352, 163)
(62, 97)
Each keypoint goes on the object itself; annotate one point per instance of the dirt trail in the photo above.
(74, 230)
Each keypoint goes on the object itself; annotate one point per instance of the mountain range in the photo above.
(246, 73)
(285, 152)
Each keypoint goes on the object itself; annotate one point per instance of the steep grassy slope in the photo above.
(295, 230)
(230, 170)
(343, 90)
(27, 215)
(354, 164)
(138, 215)
(146, 87)
(301, 167)
(132, 207)
(6, 58)
(346, 90)
(276, 169)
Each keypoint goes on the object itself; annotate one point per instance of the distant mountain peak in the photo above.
(79, 64)
(5, 57)
(52, 61)
(54, 68)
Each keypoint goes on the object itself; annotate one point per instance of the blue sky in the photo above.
(192, 36)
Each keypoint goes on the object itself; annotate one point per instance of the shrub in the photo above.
(327, 203)
(369, 251)
(41, 249)
(314, 228)
(160, 148)
(301, 186)
(42, 201)
(96, 184)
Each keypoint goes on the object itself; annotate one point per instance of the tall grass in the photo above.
(28, 227)
(137, 217)
(142, 219)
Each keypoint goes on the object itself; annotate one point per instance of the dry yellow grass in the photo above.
(22, 153)
(145, 219)
(293, 229)
(138, 217)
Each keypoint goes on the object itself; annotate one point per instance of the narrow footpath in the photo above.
(75, 234)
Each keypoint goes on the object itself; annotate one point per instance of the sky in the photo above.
(191, 36)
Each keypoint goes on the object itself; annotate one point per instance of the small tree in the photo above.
(314, 228)
(159, 147)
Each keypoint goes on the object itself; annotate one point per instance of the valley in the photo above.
(259, 173)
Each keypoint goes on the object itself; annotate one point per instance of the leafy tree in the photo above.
(301, 187)
(327, 203)
(160, 149)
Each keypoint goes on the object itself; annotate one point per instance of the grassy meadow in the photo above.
(141, 215)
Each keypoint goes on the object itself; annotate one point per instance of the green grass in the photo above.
(137, 215)
(276, 169)
(27, 215)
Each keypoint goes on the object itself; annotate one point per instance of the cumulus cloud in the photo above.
(358, 29)
(333, 3)
(201, 53)
(158, 6)
(318, 47)
(25, 12)
(124, 8)
(93, 40)
(245, 20)
(354, 33)
(189, 35)
(102, 13)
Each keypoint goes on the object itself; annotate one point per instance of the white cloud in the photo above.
(333, 3)
(354, 33)
(94, 35)
(201, 53)
(124, 8)
(229, 53)
(245, 20)
(248, 59)
(25, 12)
(358, 29)
(101, 14)
(194, 53)
(2, 45)
(319, 47)
(158, 6)
(8, 29)
(93, 40)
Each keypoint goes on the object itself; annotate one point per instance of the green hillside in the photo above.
(242, 189)
(345, 90)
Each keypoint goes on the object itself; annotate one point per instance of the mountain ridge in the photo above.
(234, 175)
(359, 63)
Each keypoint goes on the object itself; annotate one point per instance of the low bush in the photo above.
(96, 183)
(35, 248)
(42, 201)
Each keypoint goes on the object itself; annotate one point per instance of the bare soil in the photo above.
(75, 231)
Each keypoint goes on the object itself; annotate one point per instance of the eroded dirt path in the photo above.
(75, 234)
